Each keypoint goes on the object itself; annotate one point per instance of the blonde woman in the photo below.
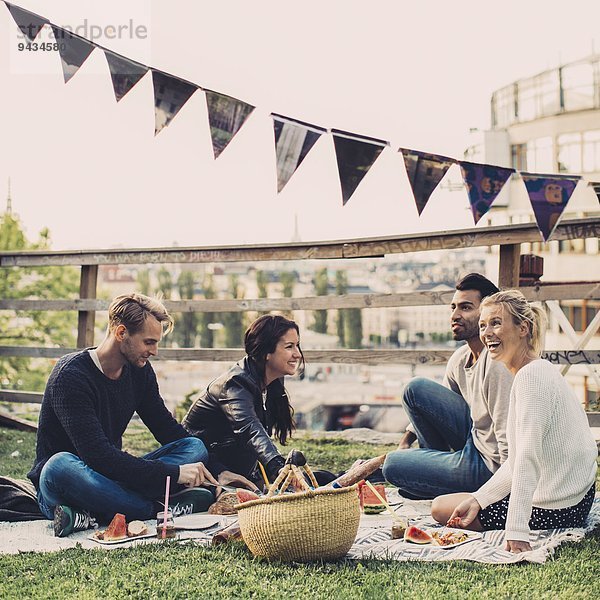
(548, 479)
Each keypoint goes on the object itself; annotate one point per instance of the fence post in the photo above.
(87, 318)
(508, 274)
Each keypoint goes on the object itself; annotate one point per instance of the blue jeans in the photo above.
(66, 479)
(447, 460)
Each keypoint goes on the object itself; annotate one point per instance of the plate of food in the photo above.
(120, 532)
(197, 522)
(444, 537)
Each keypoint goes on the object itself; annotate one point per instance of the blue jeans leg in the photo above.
(422, 473)
(441, 418)
(66, 479)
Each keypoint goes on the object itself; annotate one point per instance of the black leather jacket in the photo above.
(230, 418)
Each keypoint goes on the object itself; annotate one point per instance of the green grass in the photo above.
(183, 571)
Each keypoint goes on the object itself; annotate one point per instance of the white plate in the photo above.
(151, 533)
(197, 521)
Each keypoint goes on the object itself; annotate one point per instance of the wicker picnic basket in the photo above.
(309, 525)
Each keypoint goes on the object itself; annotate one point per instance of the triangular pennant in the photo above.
(424, 172)
(355, 156)
(225, 116)
(483, 183)
(596, 186)
(29, 23)
(73, 51)
(124, 73)
(170, 94)
(293, 141)
(548, 195)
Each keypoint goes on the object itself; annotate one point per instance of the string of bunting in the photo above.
(294, 139)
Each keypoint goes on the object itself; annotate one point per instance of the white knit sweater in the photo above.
(551, 451)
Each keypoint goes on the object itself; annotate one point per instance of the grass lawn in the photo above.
(183, 571)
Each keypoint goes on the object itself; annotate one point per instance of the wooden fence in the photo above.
(508, 238)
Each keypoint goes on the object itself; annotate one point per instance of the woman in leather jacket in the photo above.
(238, 412)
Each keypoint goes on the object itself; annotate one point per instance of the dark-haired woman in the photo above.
(239, 411)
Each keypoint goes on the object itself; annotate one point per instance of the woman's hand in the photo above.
(517, 546)
(236, 480)
(464, 514)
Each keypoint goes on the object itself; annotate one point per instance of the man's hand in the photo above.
(236, 480)
(195, 474)
(517, 546)
(406, 441)
(464, 514)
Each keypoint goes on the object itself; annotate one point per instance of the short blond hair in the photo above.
(132, 310)
(521, 310)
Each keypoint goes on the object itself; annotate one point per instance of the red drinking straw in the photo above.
(164, 525)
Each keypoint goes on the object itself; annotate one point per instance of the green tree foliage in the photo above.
(288, 280)
(206, 318)
(165, 283)
(143, 281)
(39, 328)
(341, 287)
(262, 285)
(186, 326)
(353, 327)
(234, 321)
(321, 285)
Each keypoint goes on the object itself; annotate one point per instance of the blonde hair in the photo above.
(522, 311)
(132, 310)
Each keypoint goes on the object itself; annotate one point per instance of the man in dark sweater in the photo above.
(89, 400)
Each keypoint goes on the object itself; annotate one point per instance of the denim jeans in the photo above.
(447, 460)
(66, 479)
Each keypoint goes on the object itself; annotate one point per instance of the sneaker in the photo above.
(67, 520)
(189, 501)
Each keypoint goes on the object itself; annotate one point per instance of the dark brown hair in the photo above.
(261, 339)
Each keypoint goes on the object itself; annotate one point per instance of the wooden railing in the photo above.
(508, 238)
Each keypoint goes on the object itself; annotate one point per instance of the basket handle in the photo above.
(285, 478)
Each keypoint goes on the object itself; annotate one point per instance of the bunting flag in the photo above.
(549, 195)
(483, 183)
(355, 156)
(124, 73)
(424, 172)
(596, 186)
(29, 23)
(293, 141)
(73, 51)
(225, 116)
(170, 94)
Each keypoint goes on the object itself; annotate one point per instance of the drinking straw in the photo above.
(382, 500)
(264, 474)
(164, 525)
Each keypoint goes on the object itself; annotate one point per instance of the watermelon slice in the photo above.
(417, 536)
(245, 495)
(117, 530)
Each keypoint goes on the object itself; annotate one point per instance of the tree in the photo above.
(165, 283)
(40, 328)
(321, 286)
(207, 318)
(143, 281)
(233, 321)
(186, 327)
(287, 279)
(341, 287)
(353, 327)
(262, 285)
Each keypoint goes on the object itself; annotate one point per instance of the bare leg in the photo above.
(442, 508)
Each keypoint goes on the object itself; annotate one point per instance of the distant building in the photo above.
(550, 123)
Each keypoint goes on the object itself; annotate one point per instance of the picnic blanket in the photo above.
(372, 541)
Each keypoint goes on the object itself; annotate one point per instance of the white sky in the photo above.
(417, 74)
